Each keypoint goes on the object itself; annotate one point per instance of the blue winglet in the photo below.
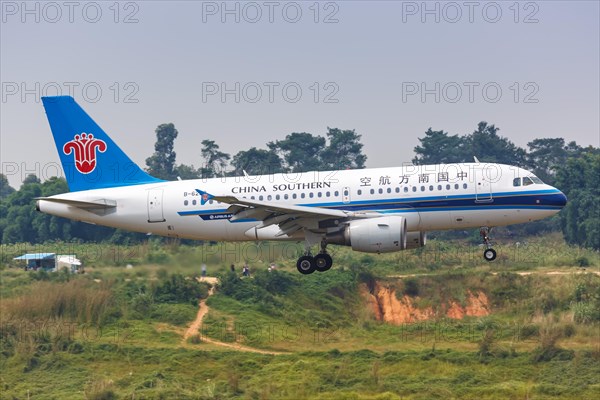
(204, 197)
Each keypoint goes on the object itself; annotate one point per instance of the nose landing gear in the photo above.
(489, 254)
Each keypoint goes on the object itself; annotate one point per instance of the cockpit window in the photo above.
(527, 181)
(517, 182)
(535, 179)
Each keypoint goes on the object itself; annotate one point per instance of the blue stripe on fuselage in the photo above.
(540, 199)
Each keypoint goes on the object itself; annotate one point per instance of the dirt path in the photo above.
(202, 309)
(195, 326)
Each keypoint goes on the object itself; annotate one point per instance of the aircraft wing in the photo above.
(290, 218)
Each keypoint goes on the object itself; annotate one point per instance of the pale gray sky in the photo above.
(371, 62)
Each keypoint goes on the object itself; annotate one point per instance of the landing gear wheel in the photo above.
(306, 265)
(489, 254)
(323, 262)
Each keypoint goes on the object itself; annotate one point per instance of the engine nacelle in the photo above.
(374, 235)
(416, 239)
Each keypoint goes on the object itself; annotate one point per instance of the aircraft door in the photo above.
(346, 195)
(155, 205)
(483, 185)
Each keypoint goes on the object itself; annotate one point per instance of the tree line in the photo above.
(298, 152)
(572, 168)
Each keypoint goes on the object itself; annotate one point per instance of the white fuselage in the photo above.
(434, 197)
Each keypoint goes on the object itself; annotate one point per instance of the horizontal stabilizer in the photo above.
(94, 204)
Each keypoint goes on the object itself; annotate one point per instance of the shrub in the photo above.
(174, 314)
(178, 289)
(275, 282)
(583, 312)
(411, 287)
(582, 261)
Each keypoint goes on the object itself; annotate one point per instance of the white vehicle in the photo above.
(373, 210)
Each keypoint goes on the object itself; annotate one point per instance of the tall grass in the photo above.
(77, 300)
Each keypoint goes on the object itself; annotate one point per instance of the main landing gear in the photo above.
(489, 254)
(307, 264)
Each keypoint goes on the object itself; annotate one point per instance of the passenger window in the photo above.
(422, 188)
(397, 190)
(527, 181)
(439, 187)
(311, 195)
(185, 202)
(277, 197)
(448, 187)
(405, 189)
(517, 182)
(303, 195)
(294, 196)
(372, 191)
(327, 194)
(261, 197)
(252, 197)
(269, 197)
(194, 202)
(359, 192)
(414, 189)
(336, 193)
(285, 196)
(380, 190)
(464, 185)
(389, 190)
(319, 194)
(345, 193)
(431, 188)
(456, 186)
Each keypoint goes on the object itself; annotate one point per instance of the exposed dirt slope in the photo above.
(389, 308)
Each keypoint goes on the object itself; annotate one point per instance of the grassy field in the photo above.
(117, 330)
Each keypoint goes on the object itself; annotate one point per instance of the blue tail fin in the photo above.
(90, 159)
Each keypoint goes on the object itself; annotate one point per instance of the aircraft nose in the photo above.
(561, 200)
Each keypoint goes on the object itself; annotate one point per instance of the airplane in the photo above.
(373, 210)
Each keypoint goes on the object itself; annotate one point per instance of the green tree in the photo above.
(439, 147)
(488, 146)
(31, 178)
(20, 212)
(215, 160)
(187, 172)
(546, 155)
(300, 151)
(344, 150)
(257, 162)
(579, 179)
(484, 143)
(5, 188)
(162, 163)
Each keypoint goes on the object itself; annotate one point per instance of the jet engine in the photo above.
(416, 239)
(373, 235)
